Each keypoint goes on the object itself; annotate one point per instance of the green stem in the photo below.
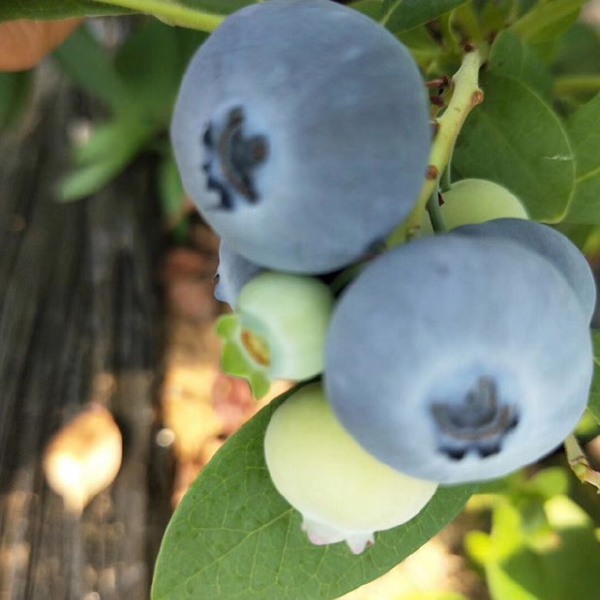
(435, 214)
(580, 464)
(466, 96)
(171, 13)
(565, 86)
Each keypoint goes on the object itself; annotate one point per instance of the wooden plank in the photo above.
(78, 305)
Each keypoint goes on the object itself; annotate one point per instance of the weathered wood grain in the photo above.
(78, 306)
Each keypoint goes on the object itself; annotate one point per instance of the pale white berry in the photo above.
(343, 493)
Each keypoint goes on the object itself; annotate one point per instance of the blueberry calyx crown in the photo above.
(478, 423)
(245, 354)
(231, 157)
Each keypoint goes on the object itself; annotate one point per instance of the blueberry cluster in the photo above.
(302, 134)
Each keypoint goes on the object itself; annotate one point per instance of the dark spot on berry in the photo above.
(207, 137)
(454, 454)
(231, 158)
(477, 424)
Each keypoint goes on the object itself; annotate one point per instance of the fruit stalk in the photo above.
(466, 95)
(171, 13)
(579, 463)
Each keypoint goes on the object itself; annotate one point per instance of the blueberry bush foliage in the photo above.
(514, 87)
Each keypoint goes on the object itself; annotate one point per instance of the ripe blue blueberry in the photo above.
(459, 358)
(302, 134)
(549, 243)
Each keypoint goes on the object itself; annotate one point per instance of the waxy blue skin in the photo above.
(331, 119)
(426, 325)
(549, 243)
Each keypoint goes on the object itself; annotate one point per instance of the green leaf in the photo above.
(152, 78)
(84, 60)
(431, 596)
(54, 9)
(424, 49)
(401, 15)
(577, 66)
(171, 193)
(515, 139)
(224, 7)
(543, 26)
(594, 403)
(493, 16)
(561, 564)
(371, 8)
(189, 41)
(234, 537)
(578, 51)
(547, 20)
(503, 586)
(511, 57)
(110, 149)
(584, 133)
(548, 483)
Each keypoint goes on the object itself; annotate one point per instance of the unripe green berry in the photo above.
(278, 329)
(471, 201)
(343, 493)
